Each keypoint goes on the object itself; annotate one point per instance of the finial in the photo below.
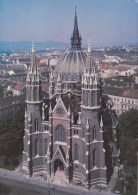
(79, 119)
(75, 9)
(50, 108)
(25, 112)
(29, 117)
(33, 47)
(91, 80)
(72, 119)
(43, 111)
(51, 74)
(59, 77)
(101, 122)
(87, 124)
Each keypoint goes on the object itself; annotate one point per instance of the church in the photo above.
(72, 132)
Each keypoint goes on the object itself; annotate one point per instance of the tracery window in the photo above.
(60, 134)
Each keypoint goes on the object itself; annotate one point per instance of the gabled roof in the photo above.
(60, 102)
(59, 154)
(69, 103)
(18, 86)
(109, 90)
(130, 93)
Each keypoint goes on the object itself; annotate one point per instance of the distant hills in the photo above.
(9, 47)
(26, 45)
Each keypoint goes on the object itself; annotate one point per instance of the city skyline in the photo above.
(103, 23)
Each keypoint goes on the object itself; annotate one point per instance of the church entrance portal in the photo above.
(59, 173)
(58, 166)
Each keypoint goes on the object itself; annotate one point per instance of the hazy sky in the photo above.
(103, 22)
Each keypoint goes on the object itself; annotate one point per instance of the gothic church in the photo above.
(70, 131)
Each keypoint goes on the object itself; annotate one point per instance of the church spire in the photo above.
(89, 63)
(33, 81)
(76, 38)
(33, 60)
(76, 30)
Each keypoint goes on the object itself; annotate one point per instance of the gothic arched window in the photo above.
(94, 133)
(37, 147)
(60, 134)
(94, 157)
(36, 125)
(76, 152)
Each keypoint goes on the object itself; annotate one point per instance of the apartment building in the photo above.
(123, 95)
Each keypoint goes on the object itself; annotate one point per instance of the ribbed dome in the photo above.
(71, 64)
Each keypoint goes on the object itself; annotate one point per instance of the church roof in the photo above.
(71, 63)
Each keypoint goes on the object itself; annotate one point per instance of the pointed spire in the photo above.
(72, 119)
(89, 57)
(33, 47)
(79, 119)
(85, 80)
(51, 74)
(76, 38)
(50, 108)
(101, 122)
(33, 57)
(59, 77)
(48, 153)
(87, 124)
(43, 111)
(67, 155)
(82, 80)
(29, 117)
(91, 80)
(76, 30)
(25, 113)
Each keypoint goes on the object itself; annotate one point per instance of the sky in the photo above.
(102, 22)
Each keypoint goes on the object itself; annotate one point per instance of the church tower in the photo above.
(33, 118)
(91, 124)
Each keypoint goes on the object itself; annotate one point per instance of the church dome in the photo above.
(71, 63)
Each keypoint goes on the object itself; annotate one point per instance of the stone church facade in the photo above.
(71, 130)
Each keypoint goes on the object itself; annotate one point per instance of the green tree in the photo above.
(129, 123)
(11, 138)
(1, 91)
(128, 146)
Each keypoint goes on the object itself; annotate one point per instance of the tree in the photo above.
(11, 138)
(129, 123)
(128, 151)
(128, 146)
(1, 92)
